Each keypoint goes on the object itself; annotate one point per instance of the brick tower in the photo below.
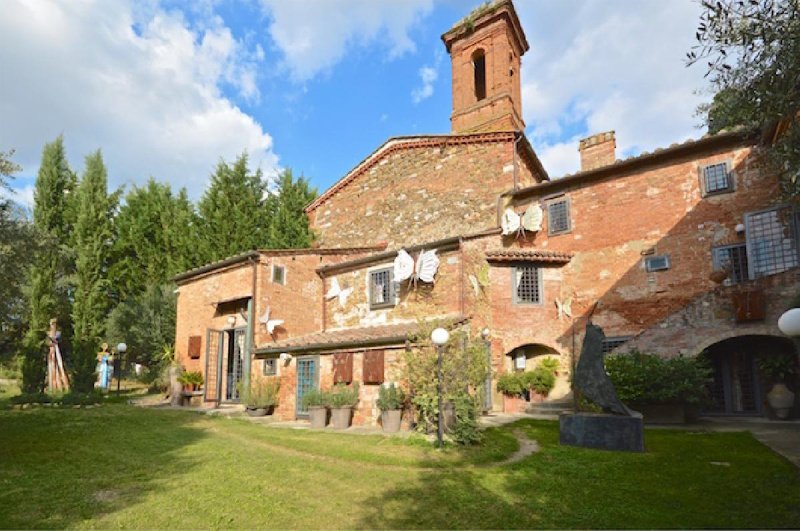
(485, 50)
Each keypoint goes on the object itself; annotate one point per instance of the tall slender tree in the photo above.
(47, 297)
(288, 222)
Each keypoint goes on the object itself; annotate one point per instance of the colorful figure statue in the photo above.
(104, 368)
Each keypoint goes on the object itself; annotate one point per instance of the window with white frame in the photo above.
(772, 245)
(717, 179)
(733, 259)
(558, 218)
(270, 367)
(381, 288)
(527, 283)
(278, 274)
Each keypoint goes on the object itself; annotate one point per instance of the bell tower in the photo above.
(486, 49)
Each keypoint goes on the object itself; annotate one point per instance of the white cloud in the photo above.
(428, 76)
(150, 97)
(597, 66)
(22, 195)
(314, 35)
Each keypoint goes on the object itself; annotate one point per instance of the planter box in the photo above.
(390, 420)
(514, 404)
(665, 413)
(259, 411)
(340, 417)
(318, 415)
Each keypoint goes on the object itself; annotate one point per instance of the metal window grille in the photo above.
(527, 285)
(278, 274)
(733, 259)
(270, 367)
(717, 178)
(771, 241)
(610, 343)
(381, 294)
(656, 263)
(558, 216)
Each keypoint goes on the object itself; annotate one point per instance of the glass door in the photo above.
(307, 379)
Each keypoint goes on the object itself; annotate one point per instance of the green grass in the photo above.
(120, 466)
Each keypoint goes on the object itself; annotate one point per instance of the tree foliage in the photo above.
(288, 223)
(752, 49)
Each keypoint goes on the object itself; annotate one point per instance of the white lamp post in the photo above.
(487, 400)
(121, 348)
(439, 337)
(789, 322)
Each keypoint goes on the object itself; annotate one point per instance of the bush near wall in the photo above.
(649, 379)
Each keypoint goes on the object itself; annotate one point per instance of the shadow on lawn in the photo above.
(61, 467)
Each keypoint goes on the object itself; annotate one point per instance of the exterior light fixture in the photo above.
(485, 333)
(231, 321)
(439, 337)
(789, 322)
(121, 348)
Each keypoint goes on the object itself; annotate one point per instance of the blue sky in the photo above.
(166, 88)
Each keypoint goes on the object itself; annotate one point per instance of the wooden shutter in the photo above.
(373, 367)
(195, 346)
(343, 367)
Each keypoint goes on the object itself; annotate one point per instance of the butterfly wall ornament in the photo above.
(529, 221)
(564, 308)
(423, 269)
(271, 324)
(336, 291)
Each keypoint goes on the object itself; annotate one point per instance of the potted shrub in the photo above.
(390, 402)
(342, 399)
(776, 368)
(316, 402)
(513, 388)
(665, 391)
(191, 380)
(539, 382)
(261, 398)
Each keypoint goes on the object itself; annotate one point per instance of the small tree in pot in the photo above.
(316, 402)
(390, 402)
(342, 400)
(261, 398)
(191, 380)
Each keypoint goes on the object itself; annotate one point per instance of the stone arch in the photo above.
(765, 331)
(534, 353)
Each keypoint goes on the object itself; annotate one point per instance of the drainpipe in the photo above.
(250, 332)
(461, 266)
(516, 144)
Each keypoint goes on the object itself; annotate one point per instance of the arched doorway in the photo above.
(527, 357)
(736, 387)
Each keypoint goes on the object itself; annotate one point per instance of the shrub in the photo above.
(649, 379)
(466, 430)
(83, 366)
(343, 396)
(191, 378)
(550, 364)
(263, 393)
(81, 399)
(541, 380)
(390, 397)
(511, 383)
(776, 367)
(314, 398)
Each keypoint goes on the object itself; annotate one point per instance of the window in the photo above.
(270, 367)
(733, 259)
(381, 288)
(610, 343)
(558, 221)
(717, 179)
(195, 346)
(372, 370)
(771, 241)
(479, 68)
(343, 367)
(656, 263)
(278, 274)
(527, 282)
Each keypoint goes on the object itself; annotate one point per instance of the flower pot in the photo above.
(340, 417)
(259, 411)
(513, 404)
(390, 420)
(318, 415)
(781, 400)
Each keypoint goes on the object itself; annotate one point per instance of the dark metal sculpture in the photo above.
(591, 379)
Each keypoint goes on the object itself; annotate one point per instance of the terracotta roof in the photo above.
(528, 255)
(397, 143)
(393, 334)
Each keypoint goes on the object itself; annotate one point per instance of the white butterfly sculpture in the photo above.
(271, 324)
(564, 308)
(530, 221)
(423, 268)
(336, 291)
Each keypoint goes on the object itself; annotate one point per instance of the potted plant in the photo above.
(539, 382)
(390, 402)
(316, 402)
(513, 388)
(342, 399)
(261, 397)
(777, 367)
(191, 380)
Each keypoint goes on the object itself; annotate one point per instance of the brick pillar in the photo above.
(598, 150)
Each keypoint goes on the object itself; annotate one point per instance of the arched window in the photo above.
(479, 68)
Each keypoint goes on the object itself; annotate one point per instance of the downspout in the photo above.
(516, 145)
(461, 262)
(324, 306)
(251, 329)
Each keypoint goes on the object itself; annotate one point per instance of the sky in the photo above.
(167, 88)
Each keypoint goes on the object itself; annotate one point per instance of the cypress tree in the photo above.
(288, 222)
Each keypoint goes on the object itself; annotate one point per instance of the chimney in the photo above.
(598, 150)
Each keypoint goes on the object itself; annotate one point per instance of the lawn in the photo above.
(121, 466)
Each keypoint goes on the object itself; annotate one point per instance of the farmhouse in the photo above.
(683, 251)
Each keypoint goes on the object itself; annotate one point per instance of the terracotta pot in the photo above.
(781, 400)
(340, 417)
(318, 415)
(259, 411)
(514, 404)
(390, 420)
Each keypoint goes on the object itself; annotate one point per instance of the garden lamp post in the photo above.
(439, 337)
(487, 401)
(121, 348)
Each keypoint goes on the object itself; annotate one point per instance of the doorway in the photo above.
(233, 362)
(307, 379)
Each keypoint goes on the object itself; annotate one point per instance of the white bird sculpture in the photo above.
(271, 324)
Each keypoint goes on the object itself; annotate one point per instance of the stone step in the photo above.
(552, 408)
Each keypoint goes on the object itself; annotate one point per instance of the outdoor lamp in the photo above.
(485, 333)
(439, 337)
(121, 348)
(789, 322)
(231, 321)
